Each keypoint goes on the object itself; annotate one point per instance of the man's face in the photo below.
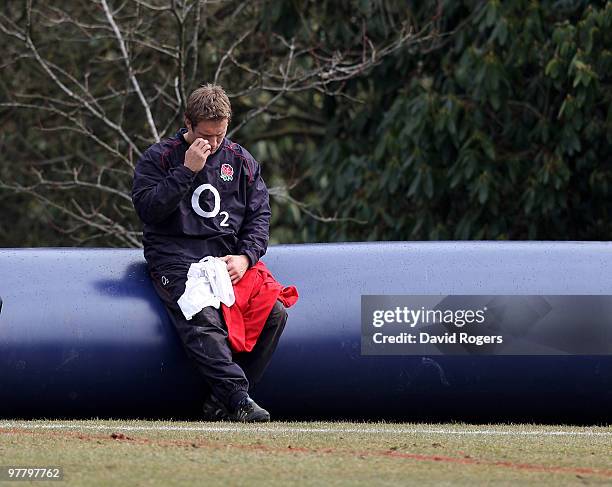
(211, 130)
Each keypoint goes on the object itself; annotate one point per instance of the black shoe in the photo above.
(214, 410)
(248, 411)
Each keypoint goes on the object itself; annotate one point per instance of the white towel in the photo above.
(208, 284)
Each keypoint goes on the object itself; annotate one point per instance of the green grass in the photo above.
(106, 453)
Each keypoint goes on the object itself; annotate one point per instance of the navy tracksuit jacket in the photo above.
(224, 209)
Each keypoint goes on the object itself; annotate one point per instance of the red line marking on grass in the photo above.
(199, 443)
(507, 464)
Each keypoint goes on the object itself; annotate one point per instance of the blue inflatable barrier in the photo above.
(83, 334)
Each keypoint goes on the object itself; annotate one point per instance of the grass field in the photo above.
(179, 453)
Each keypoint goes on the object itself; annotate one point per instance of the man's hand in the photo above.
(196, 155)
(237, 265)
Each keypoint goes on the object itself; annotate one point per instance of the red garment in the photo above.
(256, 294)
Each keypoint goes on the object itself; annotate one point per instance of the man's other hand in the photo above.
(237, 265)
(196, 155)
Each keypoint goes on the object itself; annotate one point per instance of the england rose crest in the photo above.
(227, 172)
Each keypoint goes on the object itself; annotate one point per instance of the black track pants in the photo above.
(230, 376)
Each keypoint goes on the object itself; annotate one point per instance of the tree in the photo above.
(505, 133)
(87, 86)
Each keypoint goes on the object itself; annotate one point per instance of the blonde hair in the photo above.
(208, 102)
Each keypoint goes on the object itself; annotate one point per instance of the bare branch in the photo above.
(78, 127)
(76, 182)
(93, 219)
(282, 194)
(153, 7)
(229, 53)
(46, 67)
(128, 65)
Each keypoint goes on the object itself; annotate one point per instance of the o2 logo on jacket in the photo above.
(195, 204)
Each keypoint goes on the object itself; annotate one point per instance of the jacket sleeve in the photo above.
(156, 192)
(255, 231)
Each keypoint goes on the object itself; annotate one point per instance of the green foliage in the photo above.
(504, 132)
